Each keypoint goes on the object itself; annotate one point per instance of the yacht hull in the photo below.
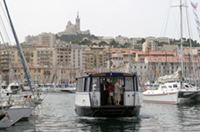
(162, 97)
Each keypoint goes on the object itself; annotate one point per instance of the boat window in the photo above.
(87, 84)
(186, 86)
(135, 84)
(169, 86)
(129, 83)
(80, 86)
(175, 86)
(95, 84)
(14, 87)
(164, 86)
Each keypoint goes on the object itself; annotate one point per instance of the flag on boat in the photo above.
(179, 53)
(194, 5)
(198, 29)
(195, 14)
(111, 63)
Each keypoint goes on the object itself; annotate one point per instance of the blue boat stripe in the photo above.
(90, 99)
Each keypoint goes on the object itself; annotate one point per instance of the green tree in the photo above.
(102, 43)
(76, 41)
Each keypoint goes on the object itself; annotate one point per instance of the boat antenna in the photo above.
(18, 46)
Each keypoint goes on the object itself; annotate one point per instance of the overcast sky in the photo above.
(130, 18)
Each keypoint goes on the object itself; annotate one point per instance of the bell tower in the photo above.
(78, 22)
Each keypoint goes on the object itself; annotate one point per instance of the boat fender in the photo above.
(84, 102)
(145, 89)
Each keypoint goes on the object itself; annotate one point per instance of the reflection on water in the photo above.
(110, 124)
(57, 114)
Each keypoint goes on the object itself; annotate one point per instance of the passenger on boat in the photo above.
(122, 96)
(110, 90)
(107, 83)
(117, 92)
(104, 93)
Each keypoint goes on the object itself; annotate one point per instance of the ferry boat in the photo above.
(88, 95)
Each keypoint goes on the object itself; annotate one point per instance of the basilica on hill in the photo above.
(72, 29)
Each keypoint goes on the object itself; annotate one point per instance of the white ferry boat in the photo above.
(88, 96)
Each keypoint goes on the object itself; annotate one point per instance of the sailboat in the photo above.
(173, 89)
(11, 114)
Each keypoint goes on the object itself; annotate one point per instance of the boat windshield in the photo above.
(175, 86)
(187, 86)
(14, 87)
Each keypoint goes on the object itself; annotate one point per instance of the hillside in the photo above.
(68, 38)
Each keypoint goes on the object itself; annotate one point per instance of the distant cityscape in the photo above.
(72, 53)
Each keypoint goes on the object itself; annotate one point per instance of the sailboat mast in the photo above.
(181, 29)
(18, 46)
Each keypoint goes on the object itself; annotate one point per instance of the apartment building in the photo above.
(140, 56)
(47, 38)
(32, 39)
(95, 57)
(44, 55)
(78, 57)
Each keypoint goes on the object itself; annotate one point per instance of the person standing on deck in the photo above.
(110, 90)
(117, 92)
(104, 93)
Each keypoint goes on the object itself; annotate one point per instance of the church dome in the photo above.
(69, 23)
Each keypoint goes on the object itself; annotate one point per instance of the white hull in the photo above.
(15, 113)
(162, 96)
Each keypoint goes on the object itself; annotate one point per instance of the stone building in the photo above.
(73, 28)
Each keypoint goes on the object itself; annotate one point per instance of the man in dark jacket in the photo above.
(104, 93)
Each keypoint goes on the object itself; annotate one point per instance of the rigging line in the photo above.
(7, 37)
(194, 76)
(4, 13)
(10, 60)
(166, 19)
(20, 46)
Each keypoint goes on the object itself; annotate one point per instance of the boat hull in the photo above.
(15, 114)
(108, 111)
(162, 97)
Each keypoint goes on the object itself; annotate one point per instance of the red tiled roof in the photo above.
(155, 53)
(41, 45)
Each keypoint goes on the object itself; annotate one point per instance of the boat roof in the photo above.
(110, 74)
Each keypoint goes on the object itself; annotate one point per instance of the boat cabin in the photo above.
(93, 97)
(100, 96)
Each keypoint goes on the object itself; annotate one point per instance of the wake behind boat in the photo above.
(90, 99)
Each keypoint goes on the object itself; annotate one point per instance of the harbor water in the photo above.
(57, 114)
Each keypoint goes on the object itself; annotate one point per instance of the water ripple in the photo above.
(57, 114)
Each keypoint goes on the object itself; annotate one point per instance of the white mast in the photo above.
(181, 29)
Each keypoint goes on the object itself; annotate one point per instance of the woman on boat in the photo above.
(117, 92)
(110, 90)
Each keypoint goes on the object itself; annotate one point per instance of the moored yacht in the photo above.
(172, 92)
(88, 100)
(13, 88)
